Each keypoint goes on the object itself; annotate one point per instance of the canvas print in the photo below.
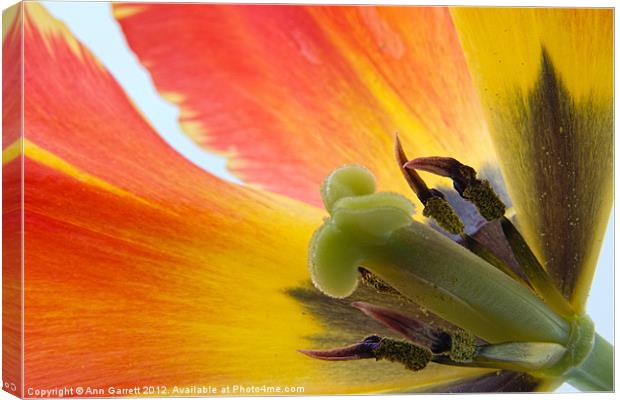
(285, 200)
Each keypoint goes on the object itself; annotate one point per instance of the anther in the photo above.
(463, 346)
(488, 203)
(478, 192)
(411, 356)
(440, 210)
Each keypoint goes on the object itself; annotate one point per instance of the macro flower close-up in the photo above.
(417, 200)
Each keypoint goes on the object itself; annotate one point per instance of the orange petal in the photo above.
(289, 93)
(142, 269)
(134, 257)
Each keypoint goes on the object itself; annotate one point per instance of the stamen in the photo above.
(411, 356)
(435, 204)
(479, 192)
(411, 176)
(358, 351)
(448, 167)
(459, 344)
(418, 332)
(488, 203)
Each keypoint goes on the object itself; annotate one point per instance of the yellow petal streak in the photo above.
(48, 159)
(12, 151)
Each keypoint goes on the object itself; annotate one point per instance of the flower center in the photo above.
(502, 319)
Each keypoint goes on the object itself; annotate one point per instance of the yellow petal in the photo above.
(545, 80)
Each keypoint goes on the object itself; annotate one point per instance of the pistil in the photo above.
(376, 231)
(501, 322)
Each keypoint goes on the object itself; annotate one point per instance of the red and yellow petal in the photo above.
(289, 93)
(545, 77)
(11, 199)
(142, 269)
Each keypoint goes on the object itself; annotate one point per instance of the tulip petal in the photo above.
(545, 79)
(142, 269)
(11, 200)
(290, 93)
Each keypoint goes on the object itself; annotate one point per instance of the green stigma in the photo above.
(360, 219)
(372, 217)
(333, 260)
(346, 181)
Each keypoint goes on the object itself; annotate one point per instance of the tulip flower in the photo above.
(459, 263)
